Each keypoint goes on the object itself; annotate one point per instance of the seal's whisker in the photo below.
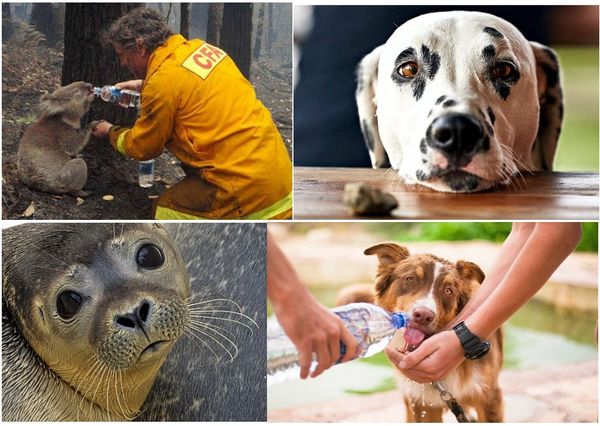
(103, 370)
(202, 323)
(94, 367)
(231, 356)
(214, 311)
(46, 253)
(194, 316)
(191, 333)
(204, 302)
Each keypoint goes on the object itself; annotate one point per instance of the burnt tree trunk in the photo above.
(236, 34)
(270, 29)
(42, 18)
(184, 25)
(86, 59)
(7, 23)
(259, 31)
(215, 21)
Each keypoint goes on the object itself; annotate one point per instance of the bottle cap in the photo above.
(399, 319)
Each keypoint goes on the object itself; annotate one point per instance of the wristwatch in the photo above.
(473, 346)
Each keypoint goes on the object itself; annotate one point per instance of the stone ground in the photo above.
(566, 394)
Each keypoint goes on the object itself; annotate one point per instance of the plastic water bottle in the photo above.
(125, 98)
(372, 327)
(146, 173)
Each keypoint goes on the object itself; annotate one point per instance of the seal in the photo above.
(90, 312)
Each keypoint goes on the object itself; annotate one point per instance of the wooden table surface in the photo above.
(318, 194)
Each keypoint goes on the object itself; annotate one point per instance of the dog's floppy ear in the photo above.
(366, 100)
(551, 106)
(470, 271)
(388, 254)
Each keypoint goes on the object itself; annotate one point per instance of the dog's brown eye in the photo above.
(448, 290)
(408, 69)
(503, 70)
(410, 280)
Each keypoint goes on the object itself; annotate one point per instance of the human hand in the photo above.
(135, 85)
(315, 329)
(100, 129)
(433, 360)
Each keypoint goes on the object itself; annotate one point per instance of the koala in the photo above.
(48, 158)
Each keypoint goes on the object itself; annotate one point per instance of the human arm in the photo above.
(537, 251)
(153, 128)
(309, 325)
(135, 85)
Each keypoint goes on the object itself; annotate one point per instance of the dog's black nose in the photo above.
(455, 134)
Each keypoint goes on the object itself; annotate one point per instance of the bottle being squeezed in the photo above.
(122, 97)
(372, 327)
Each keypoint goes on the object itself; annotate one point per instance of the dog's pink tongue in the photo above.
(413, 337)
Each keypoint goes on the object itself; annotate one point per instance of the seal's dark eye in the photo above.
(408, 69)
(150, 257)
(68, 304)
(503, 70)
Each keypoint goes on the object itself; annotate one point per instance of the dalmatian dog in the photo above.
(460, 102)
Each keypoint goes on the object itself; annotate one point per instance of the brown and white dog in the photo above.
(433, 291)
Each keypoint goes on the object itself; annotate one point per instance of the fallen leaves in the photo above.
(108, 197)
(29, 211)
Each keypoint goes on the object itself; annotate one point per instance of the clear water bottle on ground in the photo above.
(125, 98)
(146, 173)
(372, 327)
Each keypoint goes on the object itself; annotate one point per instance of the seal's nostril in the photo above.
(144, 310)
(125, 321)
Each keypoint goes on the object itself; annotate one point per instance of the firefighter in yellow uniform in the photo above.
(197, 104)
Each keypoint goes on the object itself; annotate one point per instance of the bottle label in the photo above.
(204, 59)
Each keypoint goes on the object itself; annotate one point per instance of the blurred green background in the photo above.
(578, 144)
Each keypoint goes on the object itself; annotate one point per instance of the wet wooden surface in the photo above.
(318, 194)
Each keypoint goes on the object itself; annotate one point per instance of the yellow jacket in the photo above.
(197, 104)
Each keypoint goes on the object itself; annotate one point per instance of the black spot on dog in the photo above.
(429, 64)
(488, 52)
(461, 181)
(418, 87)
(421, 175)
(429, 113)
(431, 61)
(423, 146)
(491, 115)
(501, 85)
(449, 103)
(493, 32)
(440, 99)
(359, 79)
(424, 161)
(366, 130)
(485, 143)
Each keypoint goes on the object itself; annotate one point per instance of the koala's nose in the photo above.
(455, 134)
(423, 316)
(136, 320)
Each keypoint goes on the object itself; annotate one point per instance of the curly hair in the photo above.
(141, 23)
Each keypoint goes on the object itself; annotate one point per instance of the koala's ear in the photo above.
(551, 106)
(388, 253)
(366, 101)
(50, 105)
(470, 271)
